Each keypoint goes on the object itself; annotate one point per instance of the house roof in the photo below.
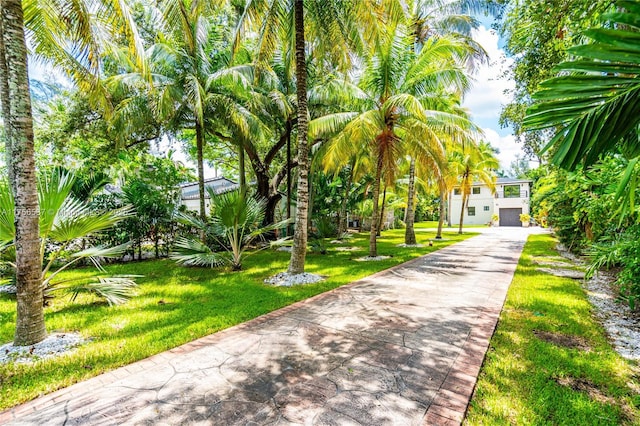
(218, 184)
(503, 180)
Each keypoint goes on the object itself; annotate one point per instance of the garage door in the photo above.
(510, 217)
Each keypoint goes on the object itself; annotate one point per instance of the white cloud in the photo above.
(488, 95)
(507, 145)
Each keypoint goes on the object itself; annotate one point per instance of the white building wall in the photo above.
(494, 202)
(506, 203)
(194, 205)
(483, 203)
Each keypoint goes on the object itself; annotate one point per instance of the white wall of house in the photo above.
(194, 205)
(479, 208)
(504, 202)
(483, 203)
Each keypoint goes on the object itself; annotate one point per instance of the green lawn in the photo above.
(175, 305)
(531, 377)
(454, 228)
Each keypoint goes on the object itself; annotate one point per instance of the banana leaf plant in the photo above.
(236, 221)
(64, 223)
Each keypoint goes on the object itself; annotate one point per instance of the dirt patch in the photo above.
(564, 340)
(586, 386)
(596, 394)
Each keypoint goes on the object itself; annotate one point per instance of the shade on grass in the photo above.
(175, 305)
(549, 362)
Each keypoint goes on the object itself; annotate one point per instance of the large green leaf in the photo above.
(596, 108)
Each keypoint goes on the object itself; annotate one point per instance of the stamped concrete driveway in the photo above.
(400, 347)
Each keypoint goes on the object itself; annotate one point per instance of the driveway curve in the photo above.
(400, 347)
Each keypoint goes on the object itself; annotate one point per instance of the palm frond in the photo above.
(192, 252)
(116, 290)
(596, 109)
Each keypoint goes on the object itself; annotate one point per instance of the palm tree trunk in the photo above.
(464, 201)
(449, 210)
(200, 160)
(289, 226)
(299, 250)
(443, 199)
(312, 198)
(4, 100)
(373, 248)
(30, 327)
(241, 167)
(410, 233)
(343, 225)
(381, 217)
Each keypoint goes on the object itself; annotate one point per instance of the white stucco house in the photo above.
(510, 199)
(191, 194)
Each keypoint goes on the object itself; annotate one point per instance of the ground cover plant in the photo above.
(549, 362)
(176, 304)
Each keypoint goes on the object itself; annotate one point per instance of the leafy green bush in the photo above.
(621, 251)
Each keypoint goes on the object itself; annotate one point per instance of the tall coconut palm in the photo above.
(30, 327)
(399, 114)
(332, 31)
(471, 163)
(187, 86)
(432, 19)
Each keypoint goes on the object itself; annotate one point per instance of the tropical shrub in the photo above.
(236, 221)
(65, 223)
(621, 251)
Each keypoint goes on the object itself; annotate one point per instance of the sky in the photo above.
(489, 94)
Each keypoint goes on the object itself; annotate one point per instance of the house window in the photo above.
(456, 191)
(511, 191)
(486, 208)
(471, 211)
(476, 190)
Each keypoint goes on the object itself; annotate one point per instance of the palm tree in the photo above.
(471, 163)
(333, 33)
(395, 121)
(49, 23)
(432, 19)
(30, 327)
(189, 86)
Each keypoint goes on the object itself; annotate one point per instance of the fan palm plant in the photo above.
(64, 221)
(236, 221)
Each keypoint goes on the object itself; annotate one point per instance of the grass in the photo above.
(549, 362)
(175, 305)
(454, 228)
